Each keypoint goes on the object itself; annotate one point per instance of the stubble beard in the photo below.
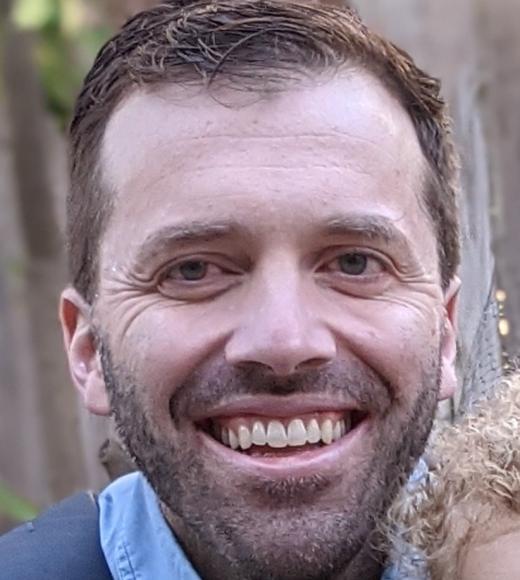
(288, 537)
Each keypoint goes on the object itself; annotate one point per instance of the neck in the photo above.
(208, 567)
(367, 563)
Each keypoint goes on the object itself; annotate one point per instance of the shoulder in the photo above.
(63, 542)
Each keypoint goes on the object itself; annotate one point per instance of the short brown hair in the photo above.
(255, 45)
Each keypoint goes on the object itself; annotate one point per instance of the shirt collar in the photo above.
(135, 538)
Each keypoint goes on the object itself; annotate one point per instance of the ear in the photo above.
(84, 362)
(449, 340)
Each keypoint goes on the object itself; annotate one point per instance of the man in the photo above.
(263, 244)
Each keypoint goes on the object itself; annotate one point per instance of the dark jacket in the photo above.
(61, 544)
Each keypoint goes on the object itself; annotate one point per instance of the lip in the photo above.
(277, 406)
(323, 461)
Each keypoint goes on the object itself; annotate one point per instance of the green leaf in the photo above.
(15, 507)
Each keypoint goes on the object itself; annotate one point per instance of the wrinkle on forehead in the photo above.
(359, 111)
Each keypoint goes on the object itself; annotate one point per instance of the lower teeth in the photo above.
(266, 451)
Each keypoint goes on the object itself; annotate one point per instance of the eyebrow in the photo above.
(189, 233)
(372, 227)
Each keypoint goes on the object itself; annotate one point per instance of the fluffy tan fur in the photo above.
(473, 489)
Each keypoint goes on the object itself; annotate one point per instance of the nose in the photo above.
(281, 330)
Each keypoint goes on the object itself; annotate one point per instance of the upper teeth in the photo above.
(274, 434)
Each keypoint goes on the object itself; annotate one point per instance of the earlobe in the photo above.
(448, 384)
(84, 364)
(449, 381)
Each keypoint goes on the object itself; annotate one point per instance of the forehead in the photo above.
(354, 106)
(345, 143)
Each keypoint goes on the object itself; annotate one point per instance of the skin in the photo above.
(495, 558)
(280, 188)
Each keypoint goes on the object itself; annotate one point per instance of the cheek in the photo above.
(399, 341)
(166, 344)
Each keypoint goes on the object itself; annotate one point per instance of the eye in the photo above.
(357, 264)
(356, 272)
(197, 278)
(190, 271)
(353, 264)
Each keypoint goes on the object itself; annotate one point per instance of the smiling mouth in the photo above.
(262, 436)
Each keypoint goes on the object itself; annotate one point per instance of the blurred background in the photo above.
(49, 447)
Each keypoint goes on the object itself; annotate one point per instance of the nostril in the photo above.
(281, 369)
(253, 366)
(312, 363)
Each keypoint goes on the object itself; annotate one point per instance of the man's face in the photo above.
(269, 274)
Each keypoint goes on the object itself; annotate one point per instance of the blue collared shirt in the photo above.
(136, 540)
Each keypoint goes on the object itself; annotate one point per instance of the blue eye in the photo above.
(194, 278)
(353, 264)
(193, 270)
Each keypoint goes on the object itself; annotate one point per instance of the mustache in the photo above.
(219, 382)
